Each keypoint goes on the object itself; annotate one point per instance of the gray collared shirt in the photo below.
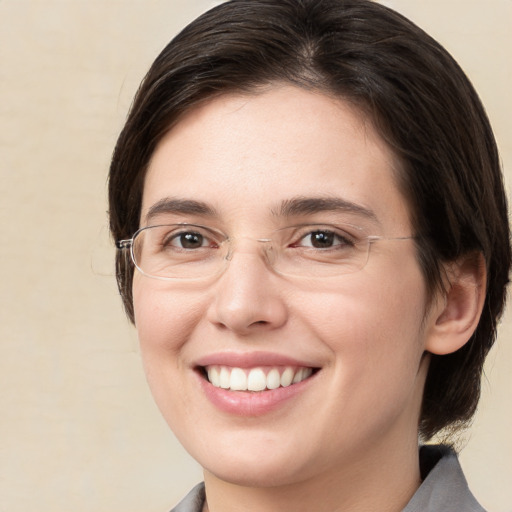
(444, 488)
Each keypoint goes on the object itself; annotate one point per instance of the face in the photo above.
(354, 343)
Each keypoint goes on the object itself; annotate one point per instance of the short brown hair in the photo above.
(419, 100)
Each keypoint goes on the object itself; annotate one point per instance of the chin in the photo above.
(256, 467)
(258, 473)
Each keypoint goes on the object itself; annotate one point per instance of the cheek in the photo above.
(164, 320)
(372, 325)
(377, 342)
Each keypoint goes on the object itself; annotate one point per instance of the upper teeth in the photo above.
(255, 379)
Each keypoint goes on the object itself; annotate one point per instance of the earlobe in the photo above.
(457, 313)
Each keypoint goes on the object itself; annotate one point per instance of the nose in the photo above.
(248, 296)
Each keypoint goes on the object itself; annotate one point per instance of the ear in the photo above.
(456, 313)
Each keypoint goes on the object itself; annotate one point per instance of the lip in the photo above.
(249, 403)
(250, 360)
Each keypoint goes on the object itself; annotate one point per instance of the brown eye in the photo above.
(189, 240)
(321, 239)
(324, 239)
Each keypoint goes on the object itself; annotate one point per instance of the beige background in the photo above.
(78, 429)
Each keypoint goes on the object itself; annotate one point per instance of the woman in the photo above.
(314, 248)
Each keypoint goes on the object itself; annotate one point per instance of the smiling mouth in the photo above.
(255, 379)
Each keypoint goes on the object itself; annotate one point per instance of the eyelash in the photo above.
(169, 239)
(333, 238)
(326, 234)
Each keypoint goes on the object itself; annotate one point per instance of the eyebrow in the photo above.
(310, 205)
(288, 208)
(179, 206)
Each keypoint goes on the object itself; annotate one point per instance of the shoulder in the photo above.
(444, 487)
(193, 501)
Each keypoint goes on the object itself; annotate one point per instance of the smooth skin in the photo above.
(348, 439)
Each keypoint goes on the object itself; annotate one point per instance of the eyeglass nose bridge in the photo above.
(267, 243)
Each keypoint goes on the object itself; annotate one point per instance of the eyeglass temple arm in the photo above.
(124, 244)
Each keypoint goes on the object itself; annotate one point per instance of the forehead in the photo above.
(244, 154)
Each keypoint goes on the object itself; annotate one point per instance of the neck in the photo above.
(385, 480)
